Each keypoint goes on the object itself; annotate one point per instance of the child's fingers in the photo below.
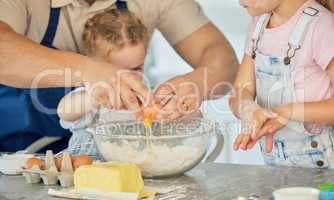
(251, 144)
(270, 115)
(116, 99)
(244, 141)
(259, 122)
(262, 119)
(264, 130)
(275, 126)
(258, 125)
(237, 142)
(269, 142)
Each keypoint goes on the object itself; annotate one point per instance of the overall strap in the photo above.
(52, 28)
(121, 5)
(259, 28)
(298, 35)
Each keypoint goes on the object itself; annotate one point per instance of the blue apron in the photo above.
(22, 122)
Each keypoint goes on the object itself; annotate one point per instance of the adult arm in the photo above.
(27, 64)
(204, 47)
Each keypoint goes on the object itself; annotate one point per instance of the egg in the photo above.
(81, 160)
(77, 161)
(59, 161)
(150, 114)
(35, 161)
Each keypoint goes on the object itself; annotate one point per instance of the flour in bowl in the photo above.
(156, 160)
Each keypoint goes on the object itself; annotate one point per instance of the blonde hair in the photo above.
(118, 27)
(329, 4)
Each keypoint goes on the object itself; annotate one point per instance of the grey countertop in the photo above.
(207, 181)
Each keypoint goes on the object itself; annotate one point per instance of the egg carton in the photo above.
(50, 175)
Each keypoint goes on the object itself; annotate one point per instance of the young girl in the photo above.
(288, 68)
(115, 36)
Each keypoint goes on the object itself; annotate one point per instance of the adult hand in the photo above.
(177, 97)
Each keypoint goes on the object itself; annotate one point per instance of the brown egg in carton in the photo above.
(49, 174)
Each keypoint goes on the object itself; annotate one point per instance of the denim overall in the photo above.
(293, 145)
(29, 114)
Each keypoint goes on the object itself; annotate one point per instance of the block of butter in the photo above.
(109, 177)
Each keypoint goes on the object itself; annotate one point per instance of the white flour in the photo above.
(156, 160)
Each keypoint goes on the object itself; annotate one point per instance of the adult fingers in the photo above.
(169, 109)
(163, 93)
(174, 115)
(188, 105)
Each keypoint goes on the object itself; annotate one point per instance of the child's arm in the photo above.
(313, 112)
(243, 106)
(78, 104)
(74, 106)
(244, 85)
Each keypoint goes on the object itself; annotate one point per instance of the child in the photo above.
(288, 68)
(115, 36)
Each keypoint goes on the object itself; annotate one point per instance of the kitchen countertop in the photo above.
(207, 181)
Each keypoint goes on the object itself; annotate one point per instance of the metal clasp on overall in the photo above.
(255, 45)
(311, 11)
(290, 54)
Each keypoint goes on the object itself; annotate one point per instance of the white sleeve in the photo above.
(83, 122)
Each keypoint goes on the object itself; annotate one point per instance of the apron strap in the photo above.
(298, 35)
(52, 28)
(259, 28)
(121, 5)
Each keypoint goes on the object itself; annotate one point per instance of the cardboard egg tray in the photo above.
(50, 175)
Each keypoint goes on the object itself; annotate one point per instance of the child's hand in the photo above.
(247, 141)
(100, 95)
(271, 127)
(244, 142)
(253, 117)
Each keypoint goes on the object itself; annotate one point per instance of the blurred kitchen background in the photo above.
(163, 63)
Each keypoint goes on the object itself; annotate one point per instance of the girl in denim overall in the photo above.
(284, 88)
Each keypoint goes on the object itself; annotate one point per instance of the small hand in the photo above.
(128, 90)
(253, 117)
(269, 129)
(247, 141)
(244, 142)
(261, 116)
(99, 94)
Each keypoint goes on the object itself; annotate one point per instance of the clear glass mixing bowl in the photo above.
(172, 148)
